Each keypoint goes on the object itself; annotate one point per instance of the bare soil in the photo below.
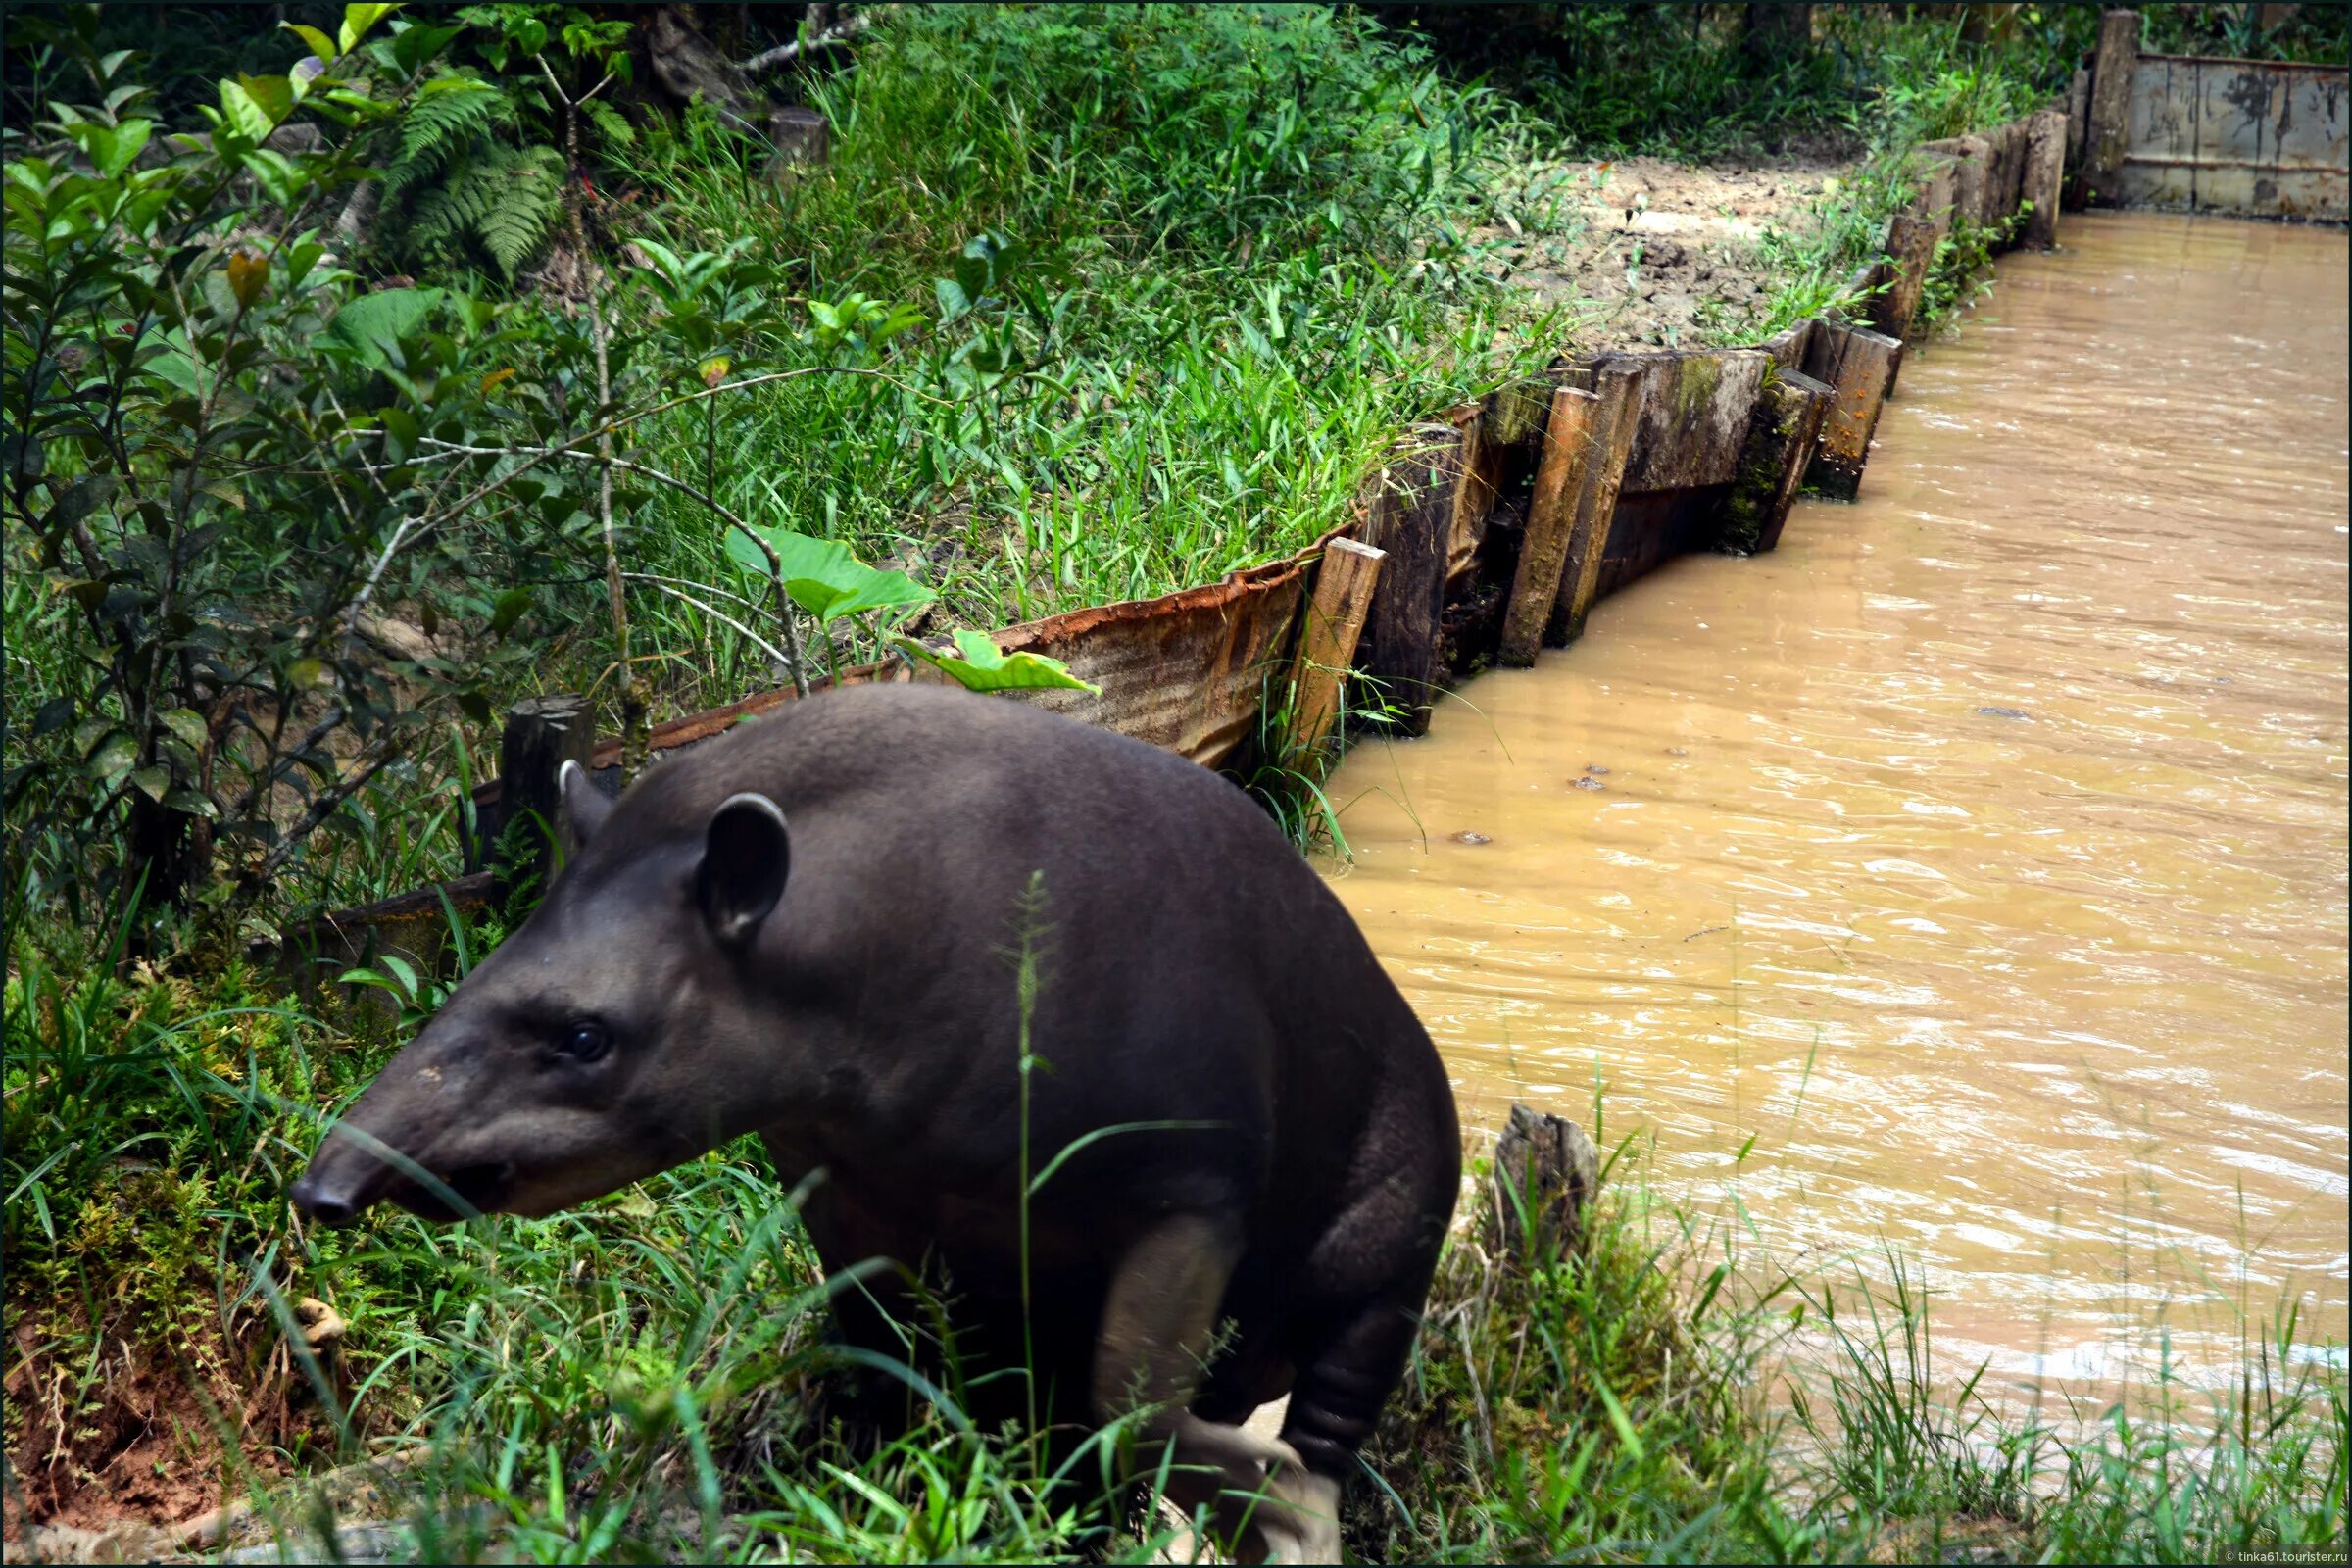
(1652, 253)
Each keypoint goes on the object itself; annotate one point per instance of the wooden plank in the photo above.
(1692, 414)
(2109, 133)
(1780, 442)
(1857, 365)
(1474, 497)
(2046, 171)
(1615, 424)
(1550, 519)
(1335, 623)
(1968, 179)
(1412, 520)
(1910, 251)
(2078, 125)
(1787, 346)
(2008, 180)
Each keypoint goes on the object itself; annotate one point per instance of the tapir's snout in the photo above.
(343, 1181)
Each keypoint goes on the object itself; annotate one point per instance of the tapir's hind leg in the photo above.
(1159, 1321)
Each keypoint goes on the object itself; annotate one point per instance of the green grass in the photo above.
(644, 1378)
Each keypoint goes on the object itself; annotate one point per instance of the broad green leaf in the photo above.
(185, 724)
(192, 802)
(114, 753)
(884, 590)
(370, 322)
(243, 115)
(983, 667)
(357, 20)
(153, 782)
(511, 608)
(320, 45)
(274, 95)
(820, 575)
(128, 140)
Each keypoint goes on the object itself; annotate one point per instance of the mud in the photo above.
(1654, 253)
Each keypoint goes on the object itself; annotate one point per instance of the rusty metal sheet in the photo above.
(2265, 139)
(1693, 411)
(1186, 672)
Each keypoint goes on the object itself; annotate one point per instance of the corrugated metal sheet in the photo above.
(1186, 672)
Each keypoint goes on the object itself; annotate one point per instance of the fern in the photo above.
(610, 123)
(449, 119)
(504, 200)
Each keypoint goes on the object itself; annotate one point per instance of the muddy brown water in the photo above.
(1980, 853)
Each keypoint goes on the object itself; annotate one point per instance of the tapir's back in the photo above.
(1191, 967)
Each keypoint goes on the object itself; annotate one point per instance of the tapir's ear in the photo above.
(585, 807)
(745, 857)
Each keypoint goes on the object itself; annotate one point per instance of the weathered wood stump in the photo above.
(1857, 365)
(1412, 523)
(2109, 133)
(1550, 517)
(2045, 170)
(1614, 423)
(1781, 436)
(542, 734)
(1335, 623)
(1546, 1173)
(1910, 251)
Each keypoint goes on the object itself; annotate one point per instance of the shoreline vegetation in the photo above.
(1086, 306)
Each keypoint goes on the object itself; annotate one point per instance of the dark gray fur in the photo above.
(1193, 969)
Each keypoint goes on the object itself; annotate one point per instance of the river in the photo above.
(1980, 853)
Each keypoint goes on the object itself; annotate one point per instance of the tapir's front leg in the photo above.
(1158, 1321)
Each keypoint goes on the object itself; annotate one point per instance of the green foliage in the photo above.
(979, 665)
(456, 194)
(448, 120)
(506, 200)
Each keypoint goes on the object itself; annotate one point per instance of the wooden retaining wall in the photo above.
(1492, 529)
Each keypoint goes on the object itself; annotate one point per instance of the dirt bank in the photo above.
(1659, 253)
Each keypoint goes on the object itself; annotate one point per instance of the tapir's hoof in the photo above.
(1298, 1523)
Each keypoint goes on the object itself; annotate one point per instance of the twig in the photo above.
(775, 562)
(662, 584)
(841, 32)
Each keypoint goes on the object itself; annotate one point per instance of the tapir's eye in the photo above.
(584, 1041)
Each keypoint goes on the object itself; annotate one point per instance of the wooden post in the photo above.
(1936, 186)
(1857, 365)
(1910, 251)
(1550, 518)
(2078, 137)
(2045, 170)
(1614, 423)
(1474, 497)
(1780, 440)
(542, 734)
(1335, 622)
(1546, 1173)
(803, 139)
(1412, 521)
(2109, 133)
(1969, 180)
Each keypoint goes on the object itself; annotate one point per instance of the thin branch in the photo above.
(662, 584)
(841, 32)
(320, 808)
(775, 562)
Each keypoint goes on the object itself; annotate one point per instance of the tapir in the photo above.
(1242, 1144)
